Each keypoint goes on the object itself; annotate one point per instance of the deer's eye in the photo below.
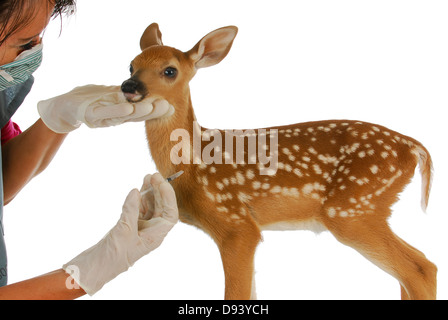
(170, 72)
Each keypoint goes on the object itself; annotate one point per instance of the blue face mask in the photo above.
(21, 68)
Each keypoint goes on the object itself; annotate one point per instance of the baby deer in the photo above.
(341, 176)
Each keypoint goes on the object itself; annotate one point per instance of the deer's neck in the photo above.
(180, 126)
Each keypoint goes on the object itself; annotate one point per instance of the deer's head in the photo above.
(162, 72)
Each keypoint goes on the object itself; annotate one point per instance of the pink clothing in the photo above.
(9, 131)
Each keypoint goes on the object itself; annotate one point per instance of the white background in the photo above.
(292, 61)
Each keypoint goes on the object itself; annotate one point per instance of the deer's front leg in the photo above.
(237, 252)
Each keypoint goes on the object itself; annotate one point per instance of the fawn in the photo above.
(339, 175)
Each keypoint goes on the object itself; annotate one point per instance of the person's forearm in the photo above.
(56, 285)
(27, 155)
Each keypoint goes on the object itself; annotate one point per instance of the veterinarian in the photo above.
(25, 155)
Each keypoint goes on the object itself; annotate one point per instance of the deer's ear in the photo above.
(213, 48)
(151, 37)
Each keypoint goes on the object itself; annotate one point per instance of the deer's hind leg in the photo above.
(371, 236)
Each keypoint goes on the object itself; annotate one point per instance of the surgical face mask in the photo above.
(21, 68)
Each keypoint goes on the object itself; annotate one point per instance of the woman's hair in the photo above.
(16, 14)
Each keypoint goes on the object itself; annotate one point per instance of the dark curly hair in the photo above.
(16, 14)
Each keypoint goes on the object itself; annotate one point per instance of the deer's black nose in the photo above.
(134, 90)
(130, 86)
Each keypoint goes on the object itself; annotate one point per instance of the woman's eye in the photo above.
(170, 72)
(28, 46)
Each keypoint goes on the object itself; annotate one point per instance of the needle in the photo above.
(169, 179)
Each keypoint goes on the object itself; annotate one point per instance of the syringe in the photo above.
(169, 179)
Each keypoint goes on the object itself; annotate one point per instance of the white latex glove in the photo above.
(97, 106)
(129, 240)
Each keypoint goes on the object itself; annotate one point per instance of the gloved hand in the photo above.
(130, 239)
(97, 106)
